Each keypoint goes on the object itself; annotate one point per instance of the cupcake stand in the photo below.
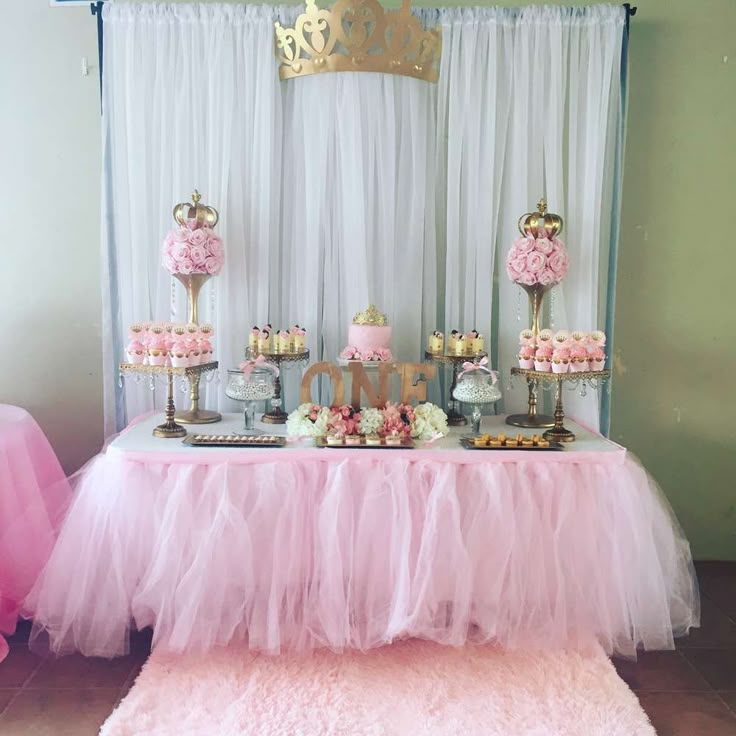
(559, 432)
(454, 417)
(276, 414)
(193, 374)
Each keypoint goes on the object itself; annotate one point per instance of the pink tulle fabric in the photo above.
(310, 549)
(33, 496)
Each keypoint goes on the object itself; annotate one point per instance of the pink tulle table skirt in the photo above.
(33, 495)
(303, 548)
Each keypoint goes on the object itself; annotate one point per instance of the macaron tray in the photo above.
(502, 442)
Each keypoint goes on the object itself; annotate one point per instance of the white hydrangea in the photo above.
(298, 423)
(429, 422)
(371, 420)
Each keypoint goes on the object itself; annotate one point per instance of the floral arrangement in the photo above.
(352, 353)
(534, 261)
(192, 250)
(424, 422)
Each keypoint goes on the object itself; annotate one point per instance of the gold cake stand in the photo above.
(169, 429)
(276, 415)
(454, 417)
(559, 433)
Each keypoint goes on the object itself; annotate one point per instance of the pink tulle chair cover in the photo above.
(33, 496)
(299, 551)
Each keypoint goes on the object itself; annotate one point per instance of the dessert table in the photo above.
(302, 547)
(33, 495)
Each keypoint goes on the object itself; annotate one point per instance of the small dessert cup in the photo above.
(526, 363)
(179, 359)
(542, 364)
(137, 357)
(596, 365)
(156, 356)
(560, 365)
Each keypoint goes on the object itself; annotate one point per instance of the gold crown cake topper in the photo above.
(355, 36)
(540, 223)
(200, 213)
(371, 316)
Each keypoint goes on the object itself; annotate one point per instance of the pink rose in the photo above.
(212, 265)
(185, 266)
(366, 355)
(181, 235)
(383, 354)
(348, 353)
(198, 254)
(524, 245)
(544, 245)
(527, 278)
(181, 251)
(169, 264)
(557, 263)
(214, 245)
(198, 237)
(535, 261)
(547, 277)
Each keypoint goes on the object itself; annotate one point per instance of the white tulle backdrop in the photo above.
(340, 189)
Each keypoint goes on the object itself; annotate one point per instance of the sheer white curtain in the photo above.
(340, 189)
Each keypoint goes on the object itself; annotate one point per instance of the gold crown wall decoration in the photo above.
(358, 35)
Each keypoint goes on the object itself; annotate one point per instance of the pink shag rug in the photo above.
(412, 688)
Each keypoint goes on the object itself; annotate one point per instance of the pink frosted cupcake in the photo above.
(596, 359)
(597, 339)
(544, 338)
(560, 360)
(543, 358)
(157, 350)
(561, 340)
(578, 358)
(526, 357)
(137, 352)
(179, 354)
(526, 337)
(205, 350)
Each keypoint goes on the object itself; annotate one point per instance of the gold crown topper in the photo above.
(371, 316)
(540, 224)
(200, 213)
(358, 36)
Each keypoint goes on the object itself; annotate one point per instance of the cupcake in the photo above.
(436, 342)
(543, 358)
(578, 358)
(283, 341)
(452, 341)
(560, 360)
(596, 359)
(476, 342)
(136, 332)
(597, 339)
(253, 339)
(526, 357)
(179, 354)
(461, 344)
(299, 340)
(264, 342)
(561, 339)
(578, 338)
(205, 349)
(157, 353)
(526, 337)
(137, 352)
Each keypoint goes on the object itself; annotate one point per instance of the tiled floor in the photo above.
(688, 692)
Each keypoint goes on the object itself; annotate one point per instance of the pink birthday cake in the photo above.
(369, 337)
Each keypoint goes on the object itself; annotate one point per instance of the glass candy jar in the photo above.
(258, 386)
(476, 386)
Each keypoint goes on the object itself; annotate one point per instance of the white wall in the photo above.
(50, 223)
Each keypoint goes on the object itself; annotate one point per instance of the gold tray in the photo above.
(467, 443)
(407, 444)
(233, 440)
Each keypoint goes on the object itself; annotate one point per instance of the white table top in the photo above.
(137, 442)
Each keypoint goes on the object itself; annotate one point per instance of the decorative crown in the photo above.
(540, 224)
(200, 213)
(358, 36)
(371, 316)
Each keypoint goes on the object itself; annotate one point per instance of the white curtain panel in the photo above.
(341, 189)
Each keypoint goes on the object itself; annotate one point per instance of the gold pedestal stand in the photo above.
(169, 429)
(193, 283)
(454, 417)
(276, 415)
(558, 432)
(531, 420)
